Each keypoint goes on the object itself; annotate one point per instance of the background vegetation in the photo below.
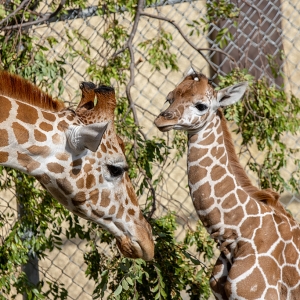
(263, 118)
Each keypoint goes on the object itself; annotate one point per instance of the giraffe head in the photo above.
(194, 102)
(117, 204)
(76, 155)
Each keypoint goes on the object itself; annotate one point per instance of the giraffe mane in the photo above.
(20, 89)
(268, 196)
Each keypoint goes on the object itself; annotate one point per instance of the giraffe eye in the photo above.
(116, 171)
(201, 107)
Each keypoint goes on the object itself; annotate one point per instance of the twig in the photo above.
(140, 6)
(46, 17)
(146, 110)
(187, 40)
(15, 11)
(220, 51)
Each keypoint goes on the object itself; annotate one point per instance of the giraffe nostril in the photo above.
(167, 115)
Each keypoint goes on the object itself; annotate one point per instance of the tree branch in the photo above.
(15, 11)
(188, 41)
(128, 45)
(46, 17)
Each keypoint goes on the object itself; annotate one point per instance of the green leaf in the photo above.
(118, 290)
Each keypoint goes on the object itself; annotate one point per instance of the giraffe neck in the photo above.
(27, 136)
(216, 193)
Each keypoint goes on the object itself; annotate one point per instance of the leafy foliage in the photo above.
(263, 119)
(173, 270)
(159, 51)
(217, 10)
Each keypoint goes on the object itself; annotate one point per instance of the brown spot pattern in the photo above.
(120, 212)
(39, 136)
(55, 168)
(206, 162)
(196, 154)
(105, 198)
(46, 126)
(249, 225)
(291, 275)
(62, 156)
(62, 125)
(201, 197)
(87, 168)
(270, 267)
(244, 288)
(234, 216)
(242, 196)
(291, 254)
(252, 208)
(224, 187)
(98, 213)
(130, 192)
(5, 108)
(94, 196)
(56, 139)
(27, 162)
(196, 173)
(39, 150)
(49, 116)
(70, 117)
(3, 157)
(112, 210)
(266, 235)
(76, 163)
(217, 172)
(26, 113)
(90, 181)
(209, 139)
(43, 179)
(103, 148)
(229, 201)
(80, 183)
(79, 198)
(65, 185)
(21, 133)
(131, 212)
(3, 138)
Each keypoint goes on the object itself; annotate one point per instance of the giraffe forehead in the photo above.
(193, 87)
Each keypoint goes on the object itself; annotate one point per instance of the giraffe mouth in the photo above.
(165, 128)
(132, 249)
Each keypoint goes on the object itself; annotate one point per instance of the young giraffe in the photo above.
(75, 155)
(258, 240)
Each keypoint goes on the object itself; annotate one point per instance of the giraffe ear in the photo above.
(231, 94)
(82, 137)
(192, 70)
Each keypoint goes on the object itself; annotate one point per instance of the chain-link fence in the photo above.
(264, 28)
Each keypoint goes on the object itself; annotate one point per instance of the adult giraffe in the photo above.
(75, 155)
(258, 240)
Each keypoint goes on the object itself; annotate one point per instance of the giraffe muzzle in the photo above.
(134, 249)
(165, 121)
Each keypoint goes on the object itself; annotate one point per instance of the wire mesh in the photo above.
(264, 27)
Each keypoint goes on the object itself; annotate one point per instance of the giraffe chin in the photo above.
(133, 249)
